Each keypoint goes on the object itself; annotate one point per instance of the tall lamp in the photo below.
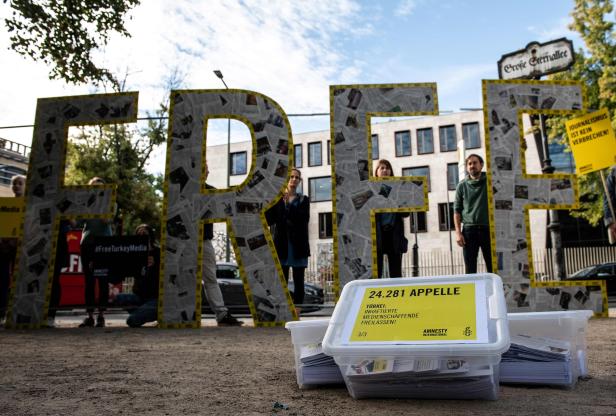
(218, 73)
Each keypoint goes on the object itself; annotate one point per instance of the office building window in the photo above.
(448, 139)
(562, 160)
(314, 154)
(375, 146)
(403, 143)
(325, 225)
(298, 155)
(470, 134)
(445, 217)
(328, 153)
(320, 189)
(452, 176)
(425, 142)
(418, 171)
(422, 224)
(238, 163)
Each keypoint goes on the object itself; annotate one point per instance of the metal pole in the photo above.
(554, 225)
(228, 248)
(415, 248)
(218, 73)
(450, 238)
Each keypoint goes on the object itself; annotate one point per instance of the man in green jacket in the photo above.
(471, 209)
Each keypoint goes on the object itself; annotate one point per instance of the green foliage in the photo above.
(118, 154)
(63, 34)
(597, 72)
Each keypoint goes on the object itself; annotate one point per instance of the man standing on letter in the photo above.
(471, 209)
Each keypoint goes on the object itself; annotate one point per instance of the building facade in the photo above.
(420, 146)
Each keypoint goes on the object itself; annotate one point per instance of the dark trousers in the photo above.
(103, 284)
(5, 278)
(298, 283)
(395, 263)
(476, 237)
(56, 293)
(394, 258)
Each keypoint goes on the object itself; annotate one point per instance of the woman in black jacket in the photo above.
(390, 238)
(289, 221)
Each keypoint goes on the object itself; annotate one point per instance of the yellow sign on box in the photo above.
(11, 214)
(419, 313)
(592, 141)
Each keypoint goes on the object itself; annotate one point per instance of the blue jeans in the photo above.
(146, 311)
(476, 237)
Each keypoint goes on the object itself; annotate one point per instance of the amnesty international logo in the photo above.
(467, 331)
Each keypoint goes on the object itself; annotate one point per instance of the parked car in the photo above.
(603, 271)
(232, 289)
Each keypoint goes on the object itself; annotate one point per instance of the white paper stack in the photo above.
(421, 378)
(316, 367)
(537, 360)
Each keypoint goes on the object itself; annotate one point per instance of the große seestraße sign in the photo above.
(537, 59)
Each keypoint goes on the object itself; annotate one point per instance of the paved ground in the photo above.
(235, 371)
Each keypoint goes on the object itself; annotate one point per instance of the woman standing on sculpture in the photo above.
(390, 238)
(289, 220)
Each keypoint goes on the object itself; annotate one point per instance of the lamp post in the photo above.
(218, 73)
(415, 270)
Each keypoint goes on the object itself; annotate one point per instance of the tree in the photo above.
(64, 33)
(597, 72)
(119, 153)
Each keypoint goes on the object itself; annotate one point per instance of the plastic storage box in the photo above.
(408, 368)
(569, 326)
(305, 334)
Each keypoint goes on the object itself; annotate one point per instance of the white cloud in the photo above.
(289, 51)
(558, 30)
(405, 8)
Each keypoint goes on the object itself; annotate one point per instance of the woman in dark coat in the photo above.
(390, 238)
(289, 220)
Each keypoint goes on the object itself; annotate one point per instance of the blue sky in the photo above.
(292, 51)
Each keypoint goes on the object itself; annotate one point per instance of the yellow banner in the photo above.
(434, 313)
(592, 141)
(11, 214)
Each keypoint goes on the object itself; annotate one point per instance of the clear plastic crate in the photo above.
(568, 326)
(413, 369)
(306, 333)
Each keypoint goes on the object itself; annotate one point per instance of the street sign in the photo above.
(537, 59)
(592, 141)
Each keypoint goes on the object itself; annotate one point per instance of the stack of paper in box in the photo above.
(312, 366)
(439, 337)
(426, 379)
(546, 348)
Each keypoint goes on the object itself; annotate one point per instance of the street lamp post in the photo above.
(415, 247)
(218, 73)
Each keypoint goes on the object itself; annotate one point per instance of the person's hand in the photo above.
(612, 230)
(150, 261)
(460, 239)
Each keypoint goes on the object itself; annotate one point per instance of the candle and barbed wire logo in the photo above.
(467, 331)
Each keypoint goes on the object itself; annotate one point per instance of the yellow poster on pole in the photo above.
(11, 214)
(592, 141)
